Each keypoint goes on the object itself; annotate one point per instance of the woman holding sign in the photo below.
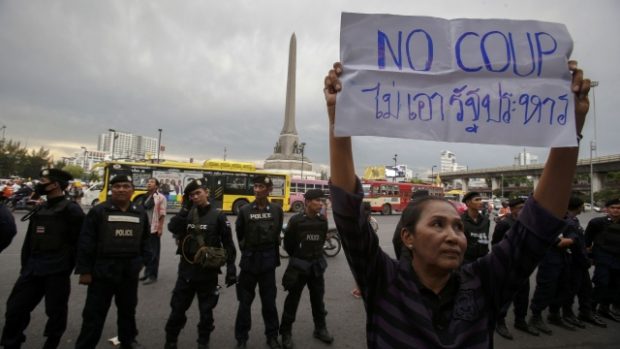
(428, 300)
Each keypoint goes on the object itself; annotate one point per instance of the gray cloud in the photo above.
(213, 74)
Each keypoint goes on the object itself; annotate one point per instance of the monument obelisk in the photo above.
(288, 153)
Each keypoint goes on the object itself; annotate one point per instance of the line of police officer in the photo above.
(111, 247)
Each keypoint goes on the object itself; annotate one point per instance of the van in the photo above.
(91, 195)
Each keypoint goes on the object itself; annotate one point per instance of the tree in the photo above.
(76, 171)
(12, 157)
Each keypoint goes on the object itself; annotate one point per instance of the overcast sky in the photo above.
(212, 74)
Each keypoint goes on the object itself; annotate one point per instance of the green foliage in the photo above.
(76, 171)
(16, 161)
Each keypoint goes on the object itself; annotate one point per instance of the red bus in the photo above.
(387, 197)
(300, 186)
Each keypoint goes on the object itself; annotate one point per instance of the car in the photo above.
(91, 194)
(459, 206)
(588, 207)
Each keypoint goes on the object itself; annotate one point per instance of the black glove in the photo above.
(231, 279)
(231, 275)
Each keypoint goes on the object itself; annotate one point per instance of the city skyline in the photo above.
(211, 82)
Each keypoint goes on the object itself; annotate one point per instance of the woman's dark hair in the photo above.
(411, 215)
(574, 203)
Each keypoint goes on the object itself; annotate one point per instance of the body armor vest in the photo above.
(609, 239)
(262, 229)
(311, 238)
(120, 234)
(202, 229)
(50, 230)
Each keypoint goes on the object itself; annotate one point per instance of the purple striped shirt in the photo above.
(397, 315)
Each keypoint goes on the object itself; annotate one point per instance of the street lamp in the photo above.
(84, 159)
(433, 173)
(395, 158)
(593, 142)
(112, 143)
(158, 144)
(301, 147)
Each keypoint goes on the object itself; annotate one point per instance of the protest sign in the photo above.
(491, 81)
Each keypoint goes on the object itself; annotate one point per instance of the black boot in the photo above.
(287, 341)
(502, 330)
(522, 325)
(537, 322)
(603, 311)
(273, 343)
(323, 335)
(592, 318)
(51, 343)
(556, 319)
(570, 318)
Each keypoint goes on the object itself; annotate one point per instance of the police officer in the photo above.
(603, 236)
(476, 228)
(303, 241)
(205, 244)
(580, 282)
(521, 298)
(7, 227)
(552, 284)
(112, 250)
(258, 229)
(48, 257)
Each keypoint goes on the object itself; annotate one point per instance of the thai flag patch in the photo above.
(40, 229)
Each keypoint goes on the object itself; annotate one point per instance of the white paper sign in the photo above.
(462, 80)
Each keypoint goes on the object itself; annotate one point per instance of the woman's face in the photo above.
(438, 241)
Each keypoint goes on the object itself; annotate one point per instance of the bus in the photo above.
(300, 186)
(230, 183)
(387, 197)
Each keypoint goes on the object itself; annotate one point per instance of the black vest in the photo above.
(120, 234)
(205, 228)
(609, 239)
(262, 228)
(50, 229)
(311, 237)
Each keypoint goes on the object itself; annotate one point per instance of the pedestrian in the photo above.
(112, 249)
(258, 229)
(205, 244)
(47, 260)
(477, 227)
(304, 239)
(7, 227)
(433, 300)
(155, 205)
(521, 298)
(603, 237)
(580, 282)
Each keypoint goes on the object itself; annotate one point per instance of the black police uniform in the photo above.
(603, 234)
(477, 233)
(580, 282)
(303, 241)
(553, 278)
(194, 279)
(113, 249)
(7, 227)
(521, 297)
(258, 233)
(47, 258)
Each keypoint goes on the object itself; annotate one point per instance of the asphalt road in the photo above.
(346, 318)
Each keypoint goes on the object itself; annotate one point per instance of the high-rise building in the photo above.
(447, 162)
(127, 145)
(525, 158)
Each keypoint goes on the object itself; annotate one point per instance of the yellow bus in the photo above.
(230, 183)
